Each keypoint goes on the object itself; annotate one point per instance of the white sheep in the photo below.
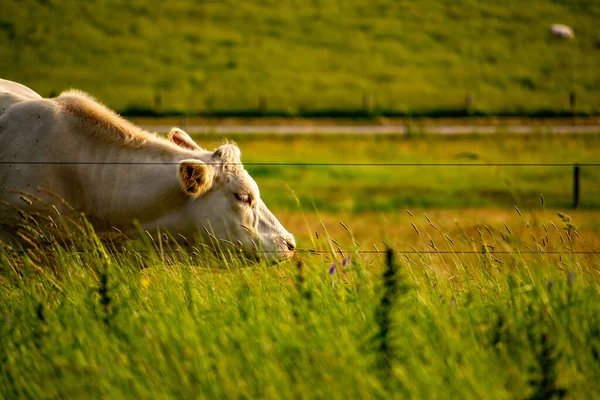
(562, 31)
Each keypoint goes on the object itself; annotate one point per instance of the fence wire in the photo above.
(316, 164)
(323, 252)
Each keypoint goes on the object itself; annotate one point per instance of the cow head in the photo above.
(224, 201)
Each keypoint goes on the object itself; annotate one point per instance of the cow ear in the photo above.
(195, 177)
(182, 139)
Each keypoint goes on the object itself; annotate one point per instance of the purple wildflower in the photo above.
(332, 269)
(345, 261)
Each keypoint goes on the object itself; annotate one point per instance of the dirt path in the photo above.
(378, 129)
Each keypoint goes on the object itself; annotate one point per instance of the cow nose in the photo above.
(290, 243)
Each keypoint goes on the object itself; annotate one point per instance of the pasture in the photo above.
(308, 58)
(484, 299)
(478, 182)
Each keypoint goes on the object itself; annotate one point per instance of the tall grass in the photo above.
(86, 317)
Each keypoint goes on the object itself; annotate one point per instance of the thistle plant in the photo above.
(392, 288)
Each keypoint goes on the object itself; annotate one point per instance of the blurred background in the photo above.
(325, 58)
(415, 64)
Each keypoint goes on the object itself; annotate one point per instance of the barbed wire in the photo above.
(322, 252)
(449, 252)
(315, 164)
(296, 164)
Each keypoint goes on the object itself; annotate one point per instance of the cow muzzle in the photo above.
(288, 246)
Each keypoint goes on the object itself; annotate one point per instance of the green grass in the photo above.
(91, 320)
(82, 317)
(308, 58)
(383, 188)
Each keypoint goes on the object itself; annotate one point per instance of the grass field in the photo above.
(93, 321)
(308, 58)
(493, 290)
(385, 188)
(484, 302)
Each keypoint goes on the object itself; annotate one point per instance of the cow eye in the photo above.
(243, 198)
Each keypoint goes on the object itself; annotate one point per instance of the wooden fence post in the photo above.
(158, 102)
(262, 104)
(183, 122)
(576, 187)
(368, 104)
(469, 103)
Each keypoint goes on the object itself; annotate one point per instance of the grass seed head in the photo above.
(415, 228)
(518, 212)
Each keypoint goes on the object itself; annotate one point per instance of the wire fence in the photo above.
(575, 166)
(309, 164)
(576, 187)
(343, 252)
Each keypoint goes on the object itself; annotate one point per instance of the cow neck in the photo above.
(136, 184)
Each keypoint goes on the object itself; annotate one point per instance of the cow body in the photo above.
(73, 148)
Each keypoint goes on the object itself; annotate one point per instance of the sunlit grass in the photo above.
(390, 188)
(87, 317)
(496, 302)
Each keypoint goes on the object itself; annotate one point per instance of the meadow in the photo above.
(479, 181)
(310, 58)
(481, 300)
(467, 276)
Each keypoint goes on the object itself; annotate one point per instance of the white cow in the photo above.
(116, 173)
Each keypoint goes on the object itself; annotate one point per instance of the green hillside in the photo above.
(303, 57)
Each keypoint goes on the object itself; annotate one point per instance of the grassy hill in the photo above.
(307, 57)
